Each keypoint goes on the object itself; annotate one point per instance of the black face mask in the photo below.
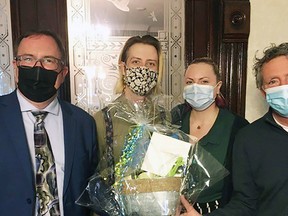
(37, 83)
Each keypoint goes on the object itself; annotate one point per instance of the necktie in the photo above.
(47, 202)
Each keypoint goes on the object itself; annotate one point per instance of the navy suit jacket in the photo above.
(17, 186)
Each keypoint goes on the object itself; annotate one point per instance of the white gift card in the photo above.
(162, 153)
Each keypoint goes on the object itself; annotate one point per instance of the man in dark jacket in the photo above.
(69, 158)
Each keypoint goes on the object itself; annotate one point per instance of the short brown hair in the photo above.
(42, 32)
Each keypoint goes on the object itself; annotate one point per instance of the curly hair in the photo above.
(271, 52)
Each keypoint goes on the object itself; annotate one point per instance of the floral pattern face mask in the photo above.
(141, 80)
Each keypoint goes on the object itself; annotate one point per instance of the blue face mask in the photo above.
(277, 98)
(200, 97)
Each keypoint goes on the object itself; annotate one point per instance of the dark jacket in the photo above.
(260, 177)
(17, 193)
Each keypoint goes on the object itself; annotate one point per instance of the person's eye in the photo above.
(27, 58)
(151, 64)
(188, 82)
(204, 82)
(273, 82)
(135, 62)
(49, 60)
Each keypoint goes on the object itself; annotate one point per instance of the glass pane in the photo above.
(6, 49)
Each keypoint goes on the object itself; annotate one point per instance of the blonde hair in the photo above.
(146, 39)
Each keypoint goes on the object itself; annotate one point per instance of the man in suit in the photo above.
(39, 72)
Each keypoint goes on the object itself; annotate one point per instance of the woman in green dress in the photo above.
(203, 116)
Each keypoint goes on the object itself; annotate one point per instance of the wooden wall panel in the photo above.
(233, 60)
(233, 45)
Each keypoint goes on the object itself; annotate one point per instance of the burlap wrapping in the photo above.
(133, 186)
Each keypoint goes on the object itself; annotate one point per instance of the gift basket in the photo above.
(158, 163)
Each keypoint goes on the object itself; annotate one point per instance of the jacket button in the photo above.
(29, 201)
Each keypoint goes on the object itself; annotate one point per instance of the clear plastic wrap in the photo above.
(157, 164)
(203, 171)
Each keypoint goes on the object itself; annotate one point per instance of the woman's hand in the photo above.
(190, 211)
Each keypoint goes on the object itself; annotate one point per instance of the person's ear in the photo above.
(122, 68)
(218, 86)
(16, 71)
(63, 73)
(262, 90)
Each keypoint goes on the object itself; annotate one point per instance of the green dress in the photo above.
(219, 142)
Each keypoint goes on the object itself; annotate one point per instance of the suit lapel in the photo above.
(12, 118)
(69, 143)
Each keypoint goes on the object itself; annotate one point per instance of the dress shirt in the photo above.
(54, 127)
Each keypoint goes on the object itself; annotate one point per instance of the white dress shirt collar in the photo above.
(25, 106)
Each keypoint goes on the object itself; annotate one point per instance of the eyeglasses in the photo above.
(49, 63)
